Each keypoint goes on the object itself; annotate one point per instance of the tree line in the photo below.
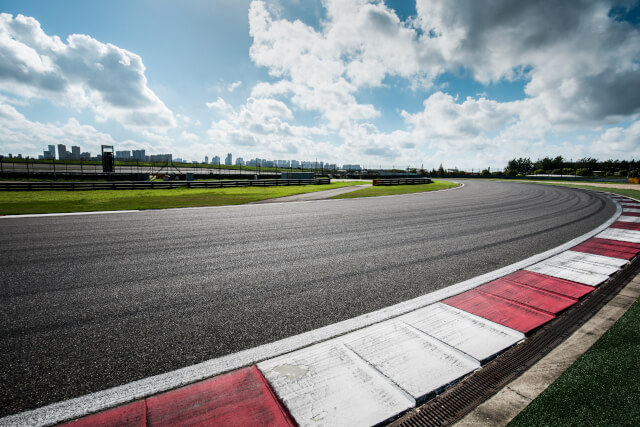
(587, 166)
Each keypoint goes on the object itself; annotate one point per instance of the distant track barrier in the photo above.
(402, 181)
(144, 185)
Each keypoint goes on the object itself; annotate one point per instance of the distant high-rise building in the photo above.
(215, 160)
(351, 167)
(75, 152)
(62, 152)
(228, 161)
(239, 161)
(138, 155)
(206, 160)
(50, 153)
(123, 156)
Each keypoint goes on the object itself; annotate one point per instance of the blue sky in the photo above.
(348, 81)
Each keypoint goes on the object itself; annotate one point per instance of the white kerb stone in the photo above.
(471, 334)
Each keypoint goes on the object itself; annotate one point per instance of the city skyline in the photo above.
(373, 82)
(142, 156)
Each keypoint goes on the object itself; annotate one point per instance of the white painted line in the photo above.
(475, 336)
(620, 234)
(593, 259)
(77, 407)
(329, 385)
(631, 210)
(585, 278)
(66, 214)
(415, 361)
(627, 218)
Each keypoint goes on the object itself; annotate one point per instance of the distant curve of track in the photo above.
(91, 302)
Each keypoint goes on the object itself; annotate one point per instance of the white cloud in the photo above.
(309, 64)
(443, 118)
(233, 86)
(81, 73)
(20, 135)
(581, 65)
(618, 142)
(220, 105)
(262, 128)
(581, 69)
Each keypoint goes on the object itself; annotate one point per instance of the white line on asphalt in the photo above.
(65, 214)
(80, 406)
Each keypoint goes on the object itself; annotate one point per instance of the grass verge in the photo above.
(601, 389)
(30, 202)
(397, 189)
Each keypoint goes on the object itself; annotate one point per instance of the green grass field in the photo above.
(601, 389)
(397, 189)
(29, 202)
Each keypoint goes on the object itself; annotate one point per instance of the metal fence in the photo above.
(402, 181)
(143, 185)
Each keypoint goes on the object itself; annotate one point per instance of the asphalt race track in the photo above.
(91, 302)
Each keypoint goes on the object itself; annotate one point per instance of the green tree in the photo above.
(587, 163)
(521, 165)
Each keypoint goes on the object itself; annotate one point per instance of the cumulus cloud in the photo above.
(443, 118)
(580, 65)
(310, 65)
(619, 142)
(81, 73)
(20, 134)
(262, 126)
(233, 86)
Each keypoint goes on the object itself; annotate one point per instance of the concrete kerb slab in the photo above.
(99, 401)
(500, 409)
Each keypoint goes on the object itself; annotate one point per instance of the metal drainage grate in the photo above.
(465, 395)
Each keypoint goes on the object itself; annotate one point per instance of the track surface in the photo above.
(91, 302)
